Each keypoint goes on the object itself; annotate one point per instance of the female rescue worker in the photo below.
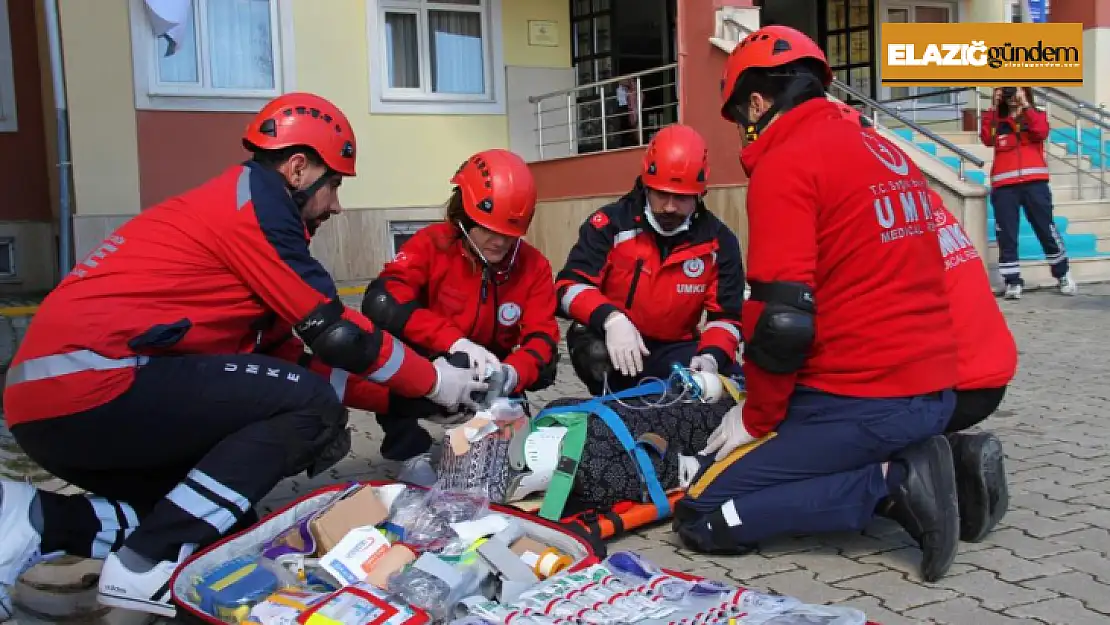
(646, 268)
(470, 284)
(1019, 177)
(987, 362)
(137, 383)
(849, 356)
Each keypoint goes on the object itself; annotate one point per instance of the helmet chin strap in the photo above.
(488, 266)
(683, 227)
(302, 196)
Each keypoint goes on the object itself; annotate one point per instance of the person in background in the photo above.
(471, 284)
(1020, 179)
(644, 271)
(139, 381)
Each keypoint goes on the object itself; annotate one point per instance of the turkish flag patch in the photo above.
(599, 220)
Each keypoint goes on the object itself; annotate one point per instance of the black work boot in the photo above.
(980, 483)
(925, 504)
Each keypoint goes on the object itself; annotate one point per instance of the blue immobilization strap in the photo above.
(616, 425)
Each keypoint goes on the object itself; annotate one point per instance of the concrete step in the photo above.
(962, 138)
(1038, 273)
(1080, 210)
(1098, 226)
(1067, 190)
(1067, 166)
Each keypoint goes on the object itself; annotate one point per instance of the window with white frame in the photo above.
(7, 74)
(402, 231)
(436, 56)
(209, 54)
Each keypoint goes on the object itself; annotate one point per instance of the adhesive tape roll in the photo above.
(551, 562)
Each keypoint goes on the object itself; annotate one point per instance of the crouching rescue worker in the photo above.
(849, 358)
(987, 361)
(137, 383)
(470, 284)
(646, 268)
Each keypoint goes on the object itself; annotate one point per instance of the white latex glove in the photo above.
(454, 386)
(704, 363)
(729, 435)
(512, 378)
(626, 346)
(481, 359)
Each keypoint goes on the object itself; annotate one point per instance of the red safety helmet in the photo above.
(309, 120)
(498, 191)
(676, 161)
(766, 48)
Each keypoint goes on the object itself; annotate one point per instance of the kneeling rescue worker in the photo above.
(137, 383)
(646, 268)
(987, 362)
(470, 284)
(849, 358)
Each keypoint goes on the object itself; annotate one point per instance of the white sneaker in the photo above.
(149, 592)
(1067, 285)
(19, 548)
(1013, 291)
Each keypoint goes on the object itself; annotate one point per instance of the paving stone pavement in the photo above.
(1046, 563)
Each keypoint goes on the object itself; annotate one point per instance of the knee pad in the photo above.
(588, 355)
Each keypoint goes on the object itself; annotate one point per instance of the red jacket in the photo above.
(618, 264)
(1018, 146)
(846, 212)
(515, 320)
(987, 352)
(193, 275)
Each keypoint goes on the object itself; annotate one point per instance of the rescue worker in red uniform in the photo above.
(1019, 178)
(471, 284)
(849, 353)
(137, 380)
(644, 271)
(987, 362)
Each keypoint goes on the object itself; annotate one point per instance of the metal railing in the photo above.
(1090, 122)
(878, 109)
(625, 111)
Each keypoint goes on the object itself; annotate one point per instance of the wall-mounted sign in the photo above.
(543, 33)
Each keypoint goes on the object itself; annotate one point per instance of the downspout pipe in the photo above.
(64, 164)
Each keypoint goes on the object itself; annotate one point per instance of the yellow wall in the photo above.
(100, 90)
(406, 160)
(985, 11)
(515, 15)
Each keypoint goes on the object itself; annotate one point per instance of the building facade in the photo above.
(157, 107)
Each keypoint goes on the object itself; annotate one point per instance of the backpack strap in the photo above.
(575, 419)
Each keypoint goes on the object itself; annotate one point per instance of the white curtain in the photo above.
(457, 60)
(239, 42)
(402, 51)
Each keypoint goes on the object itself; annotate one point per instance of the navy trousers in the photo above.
(1036, 198)
(184, 455)
(819, 472)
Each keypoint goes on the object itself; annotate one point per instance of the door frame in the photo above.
(957, 101)
(872, 30)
